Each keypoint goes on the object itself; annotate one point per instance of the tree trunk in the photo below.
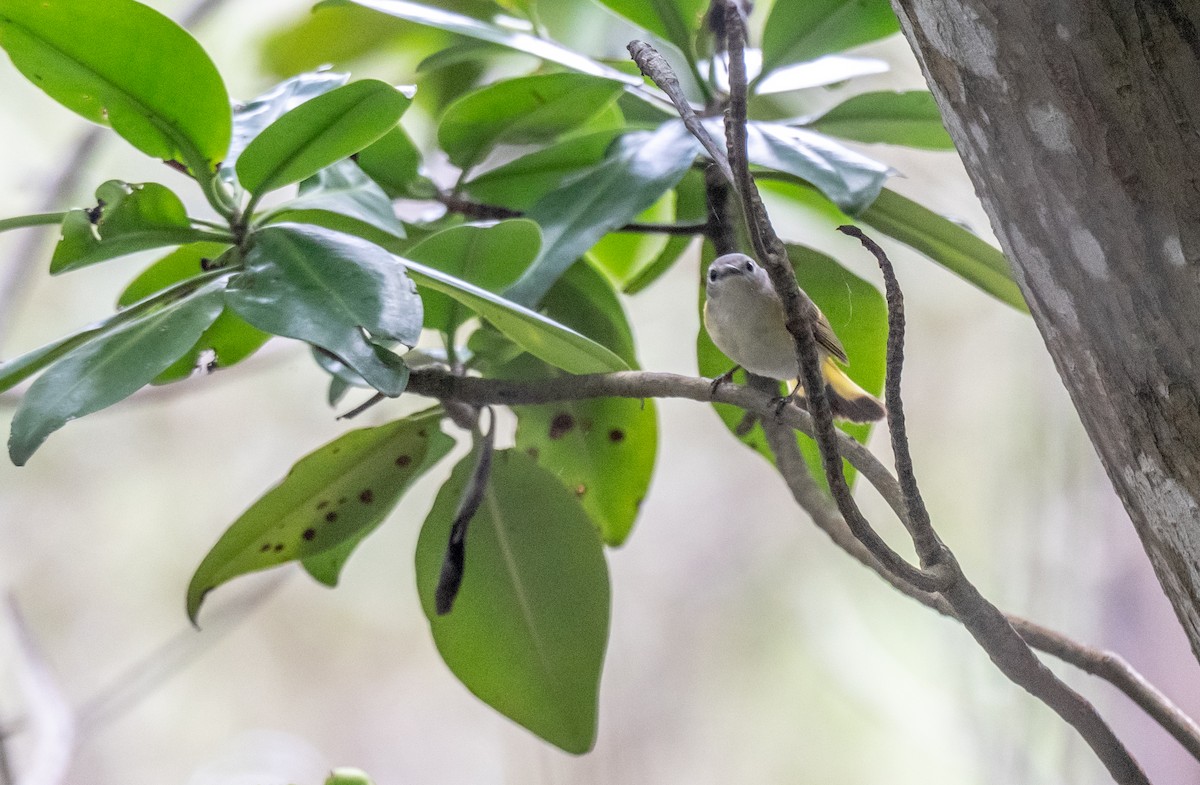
(1078, 122)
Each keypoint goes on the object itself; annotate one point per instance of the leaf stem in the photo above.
(38, 219)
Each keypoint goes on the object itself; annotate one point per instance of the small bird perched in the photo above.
(745, 318)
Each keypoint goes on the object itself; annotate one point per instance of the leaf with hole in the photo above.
(911, 119)
(123, 64)
(128, 217)
(318, 133)
(529, 626)
(112, 366)
(522, 110)
(638, 169)
(334, 291)
(336, 494)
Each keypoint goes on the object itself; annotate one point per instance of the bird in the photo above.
(745, 318)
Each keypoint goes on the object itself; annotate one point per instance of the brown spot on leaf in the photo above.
(330, 517)
(266, 546)
(423, 433)
(616, 435)
(403, 460)
(580, 489)
(322, 504)
(278, 547)
(533, 453)
(561, 425)
(309, 534)
(586, 424)
(341, 500)
(367, 496)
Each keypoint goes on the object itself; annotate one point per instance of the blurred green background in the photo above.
(745, 648)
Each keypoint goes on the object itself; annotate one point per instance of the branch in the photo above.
(472, 209)
(441, 384)
(654, 66)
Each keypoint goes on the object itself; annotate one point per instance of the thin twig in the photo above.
(441, 384)
(455, 560)
(801, 318)
(471, 209)
(660, 72)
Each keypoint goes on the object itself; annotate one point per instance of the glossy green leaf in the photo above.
(474, 28)
(490, 257)
(620, 254)
(342, 195)
(123, 64)
(394, 162)
(519, 183)
(691, 205)
(603, 450)
(348, 776)
(529, 627)
(253, 116)
(111, 367)
(544, 338)
(318, 133)
(20, 368)
(676, 21)
(128, 217)
(849, 179)
(827, 70)
(911, 119)
(226, 342)
(328, 288)
(799, 30)
(858, 314)
(639, 168)
(522, 110)
(338, 493)
(947, 243)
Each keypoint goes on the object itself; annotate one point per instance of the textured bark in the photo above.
(1078, 122)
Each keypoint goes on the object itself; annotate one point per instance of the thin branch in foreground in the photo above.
(444, 386)
(656, 67)
(801, 318)
(455, 560)
(489, 212)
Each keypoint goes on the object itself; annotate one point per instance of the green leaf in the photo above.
(335, 494)
(334, 36)
(676, 21)
(341, 195)
(348, 776)
(519, 183)
(483, 31)
(544, 338)
(603, 450)
(799, 30)
(691, 204)
(858, 314)
(530, 624)
(226, 342)
(636, 172)
(123, 64)
(947, 243)
(129, 217)
(911, 119)
(620, 254)
(18, 369)
(850, 180)
(490, 257)
(827, 70)
(526, 109)
(327, 288)
(394, 162)
(318, 133)
(253, 116)
(111, 367)
(326, 567)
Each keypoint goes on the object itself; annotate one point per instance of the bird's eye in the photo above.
(749, 266)
(712, 275)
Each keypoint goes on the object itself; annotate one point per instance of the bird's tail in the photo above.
(847, 399)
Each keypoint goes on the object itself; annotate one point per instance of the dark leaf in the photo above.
(340, 194)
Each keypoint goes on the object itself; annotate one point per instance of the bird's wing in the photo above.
(828, 340)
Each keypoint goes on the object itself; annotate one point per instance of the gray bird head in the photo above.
(736, 270)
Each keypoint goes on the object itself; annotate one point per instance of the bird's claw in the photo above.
(722, 379)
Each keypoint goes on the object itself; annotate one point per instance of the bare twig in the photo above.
(454, 561)
(441, 384)
(470, 209)
(654, 66)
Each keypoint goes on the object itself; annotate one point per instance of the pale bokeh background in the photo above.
(745, 648)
